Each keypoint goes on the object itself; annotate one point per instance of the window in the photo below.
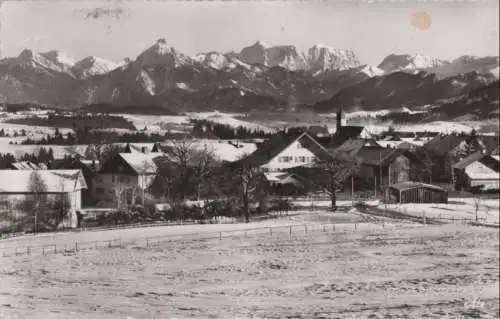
(113, 178)
(99, 190)
(302, 159)
(286, 159)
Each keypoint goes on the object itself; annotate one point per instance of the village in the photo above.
(203, 178)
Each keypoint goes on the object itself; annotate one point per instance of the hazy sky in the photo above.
(116, 30)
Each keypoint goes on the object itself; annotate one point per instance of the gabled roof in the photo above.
(141, 163)
(55, 181)
(342, 135)
(279, 142)
(25, 165)
(376, 156)
(484, 158)
(441, 145)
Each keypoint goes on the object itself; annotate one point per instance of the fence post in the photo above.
(270, 231)
(109, 243)
(16, 251)
(355, 226)
(76, 247)
(305, 228)
(453, 219)
(147, 243)
(324, 228)
(220, 235)
(290, 232)
(43, 251)
(55, 249)
(28, 250)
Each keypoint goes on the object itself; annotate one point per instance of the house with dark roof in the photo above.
(123, 179)
(380, 166)
(447, 150)
(478, 171)
(285, 150)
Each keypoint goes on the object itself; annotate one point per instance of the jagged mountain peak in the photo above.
(93, 65)
(59, 57)
(161, 53)
(317, 59)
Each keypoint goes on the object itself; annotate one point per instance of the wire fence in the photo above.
(285, 231)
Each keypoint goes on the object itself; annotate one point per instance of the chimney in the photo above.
(339, 119)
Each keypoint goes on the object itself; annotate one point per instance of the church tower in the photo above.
(339, 119)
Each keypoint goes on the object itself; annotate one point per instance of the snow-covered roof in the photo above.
(478, 171)
(55, 181)
(25, 165)
(141, 163)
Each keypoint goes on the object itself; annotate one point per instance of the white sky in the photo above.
(371, 30)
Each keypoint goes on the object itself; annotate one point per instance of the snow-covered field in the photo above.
(457, 208)
(228, 119)
(31, 131)
(446, 271)
(223, 150)
(159, 123)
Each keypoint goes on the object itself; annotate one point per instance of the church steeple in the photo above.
(339, 118)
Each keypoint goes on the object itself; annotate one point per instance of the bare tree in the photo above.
(250, 180)
(333, 172)
(183, 170)
(38, 196)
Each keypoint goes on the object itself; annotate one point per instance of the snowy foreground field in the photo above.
(457, 208)
(403, 271)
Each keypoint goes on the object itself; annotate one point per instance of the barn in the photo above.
(415, 192)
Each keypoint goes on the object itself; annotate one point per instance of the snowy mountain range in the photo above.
(258, 78)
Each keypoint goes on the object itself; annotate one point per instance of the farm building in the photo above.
(477, 171)
(414, 192)
(124, 178)
(49, 188)
(286, 150)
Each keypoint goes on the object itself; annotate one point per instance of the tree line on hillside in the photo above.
(77, 121)
(209, 129)
(86, 136)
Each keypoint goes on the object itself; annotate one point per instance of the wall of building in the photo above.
(294, 155)
(108, 187)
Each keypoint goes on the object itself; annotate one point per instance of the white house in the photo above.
(287, 150)
(124, 179)
(478, 170)
(55, 186)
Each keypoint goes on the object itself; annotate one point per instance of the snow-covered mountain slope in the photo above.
(370, 70)
(60, 59)
(215, 60)
(404, 62)
(495, 72)
(91, 66)
(316, 59)
(467, 64)
(49, 61)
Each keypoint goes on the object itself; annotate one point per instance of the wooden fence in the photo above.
(290, 231)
